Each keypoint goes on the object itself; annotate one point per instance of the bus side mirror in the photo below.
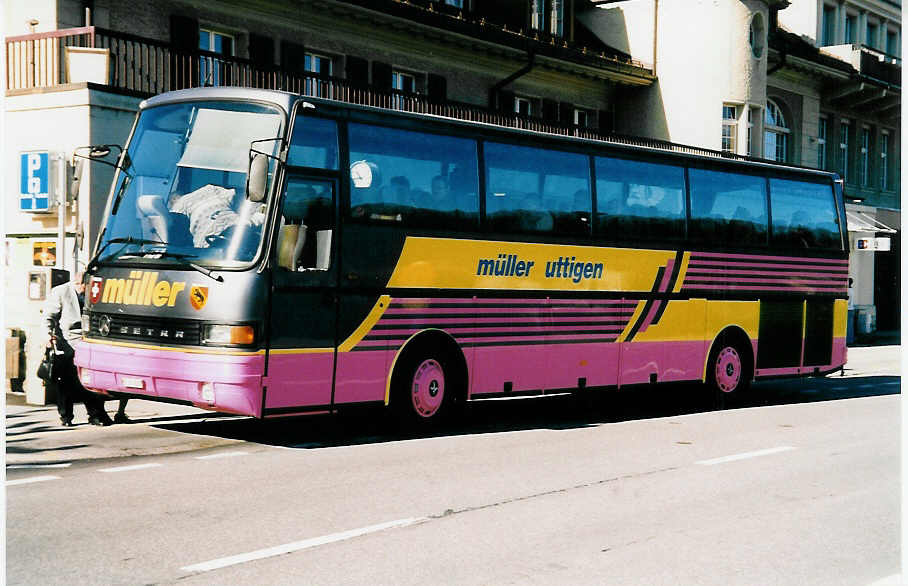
(257, 178)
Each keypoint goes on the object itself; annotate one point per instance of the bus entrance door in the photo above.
(303, 304)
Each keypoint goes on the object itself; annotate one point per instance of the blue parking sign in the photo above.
(34, 182)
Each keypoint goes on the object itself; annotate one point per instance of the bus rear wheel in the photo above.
(728, 372)
(424, 390)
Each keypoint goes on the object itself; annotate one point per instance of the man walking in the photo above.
(63, 318)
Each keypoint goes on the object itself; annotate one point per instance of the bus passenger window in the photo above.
(803, 215)
(434, 179)
(304, 239)
(536, 190)
(727, 209)
(637, 199)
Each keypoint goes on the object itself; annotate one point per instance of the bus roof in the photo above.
(286, 101)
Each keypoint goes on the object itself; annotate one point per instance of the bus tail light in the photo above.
(228, 335)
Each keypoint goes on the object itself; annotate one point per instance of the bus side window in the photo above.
(432, 180)
(514, 177)
(727, 209)
(803, 215)
(637, 199)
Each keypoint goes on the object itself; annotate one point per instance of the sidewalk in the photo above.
(877, 338)
(34, 435)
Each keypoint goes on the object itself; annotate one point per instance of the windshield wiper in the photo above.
(182, 257)
(125, 241)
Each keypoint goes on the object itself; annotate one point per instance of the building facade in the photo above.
(76, 71)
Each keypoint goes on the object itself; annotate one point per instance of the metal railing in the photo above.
(149, 67)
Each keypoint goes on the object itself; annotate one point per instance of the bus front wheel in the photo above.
(728, 372)
(424, 390)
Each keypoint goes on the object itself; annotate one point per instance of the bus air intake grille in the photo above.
(136, 328)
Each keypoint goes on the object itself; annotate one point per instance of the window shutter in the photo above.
(438, 88)
(261, 50)
(293, 57)
(566, 113)
(184, 32)
(549, 110)
(381, 76)
(357, 70)
(506, 101)
(606, 121)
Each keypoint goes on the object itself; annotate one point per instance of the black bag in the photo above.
(46, 368)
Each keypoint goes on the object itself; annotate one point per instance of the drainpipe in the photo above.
(655, 35)
(493, 92)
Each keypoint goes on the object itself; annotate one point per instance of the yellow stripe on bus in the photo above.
(366, 326)
(447, 263)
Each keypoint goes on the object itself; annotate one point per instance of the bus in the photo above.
(269, 254)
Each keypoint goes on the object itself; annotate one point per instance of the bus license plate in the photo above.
(131, 382)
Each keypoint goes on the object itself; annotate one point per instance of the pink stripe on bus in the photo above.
(782, 279)
(763, 265)
(724, 255)
(765, 288)
(751, 272)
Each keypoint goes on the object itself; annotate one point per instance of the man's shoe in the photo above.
(121, 418)
(102, 421)
(66, 422)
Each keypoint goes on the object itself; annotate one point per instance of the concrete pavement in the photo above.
(35, 437)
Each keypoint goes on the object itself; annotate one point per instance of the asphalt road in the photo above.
(799, 486)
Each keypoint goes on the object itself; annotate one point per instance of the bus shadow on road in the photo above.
(593, 408)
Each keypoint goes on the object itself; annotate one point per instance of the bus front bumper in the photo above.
(229, 382)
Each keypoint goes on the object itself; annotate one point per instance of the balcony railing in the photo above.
(149, 67)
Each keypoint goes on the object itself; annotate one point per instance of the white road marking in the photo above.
(299, 545)
(30, 480)
(745, 456)
(24, 466)
(222, 455)
(128, 468)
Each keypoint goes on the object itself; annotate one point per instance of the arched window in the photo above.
(776, 133)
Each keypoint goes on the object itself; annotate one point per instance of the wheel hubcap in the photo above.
(428, 388)
(728, 370)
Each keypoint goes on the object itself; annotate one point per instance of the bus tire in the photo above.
(424, 389)
(729, 370)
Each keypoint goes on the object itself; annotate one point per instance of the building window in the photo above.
(752, 114)
(850, 28)
(405, 82)
(822, 133)
(323, 68)
(523, 106)
(211, 69)
(729, 128)
(581, 118)
(556, 25)
(775, 133)
(537, 14)
(865, 157)
(871, 35)
(550, 20)
(884, 160)
(828, 36)
(844, 154)
(892, 43)
(757, 35)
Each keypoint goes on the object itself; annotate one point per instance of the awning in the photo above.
(861, 222)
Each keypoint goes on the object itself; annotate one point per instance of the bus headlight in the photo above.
(223, 335)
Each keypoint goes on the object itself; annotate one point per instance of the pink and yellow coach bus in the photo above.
(268, 254)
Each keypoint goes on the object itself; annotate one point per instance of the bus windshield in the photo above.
(181, 189)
